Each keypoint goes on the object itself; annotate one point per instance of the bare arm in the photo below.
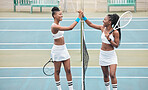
(99, 27)
(116, 41)
(61, 28)
(93, 25)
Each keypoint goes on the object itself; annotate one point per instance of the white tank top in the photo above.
(59, 34)
(104, 39)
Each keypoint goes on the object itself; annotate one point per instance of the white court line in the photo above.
(64, 17)
(68, 49)
(48, 30)
(28, 30)
(65, 20)
(66, 43)
(91, 67)
(31, 43)
(88, 77)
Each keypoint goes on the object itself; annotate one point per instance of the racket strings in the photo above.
(48, 68)
(125, 19)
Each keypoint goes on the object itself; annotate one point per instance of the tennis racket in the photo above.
(123, 21)
(48, 68)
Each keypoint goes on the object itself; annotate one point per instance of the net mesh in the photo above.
(85, 56)
(85, 61)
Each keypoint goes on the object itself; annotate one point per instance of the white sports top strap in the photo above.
(104, 39)
(59, 34)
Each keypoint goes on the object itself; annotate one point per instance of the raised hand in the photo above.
(80, 11)
(80, 14)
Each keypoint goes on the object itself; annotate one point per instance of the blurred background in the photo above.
(92, 8)
(26, 42)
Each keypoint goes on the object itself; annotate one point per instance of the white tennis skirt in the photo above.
(107, 58)
(59, 53)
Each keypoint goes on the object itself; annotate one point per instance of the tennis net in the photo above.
(85, 60)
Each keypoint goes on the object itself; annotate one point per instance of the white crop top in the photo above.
(104, 39)
(59, 34)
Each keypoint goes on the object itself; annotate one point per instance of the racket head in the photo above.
(124, 20)
(48, 68)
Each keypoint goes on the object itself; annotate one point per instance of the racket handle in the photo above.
(111, 31)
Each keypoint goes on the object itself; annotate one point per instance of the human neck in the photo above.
(56, 21)
(109, 28)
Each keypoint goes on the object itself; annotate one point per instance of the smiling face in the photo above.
(58, 15)
(106, 21)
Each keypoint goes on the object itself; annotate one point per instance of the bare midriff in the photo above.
(107, 47)
(59, 41)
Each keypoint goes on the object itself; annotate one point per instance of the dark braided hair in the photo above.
(54, 10)
(114, 18)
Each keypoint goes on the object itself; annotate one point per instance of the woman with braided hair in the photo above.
(108, 57)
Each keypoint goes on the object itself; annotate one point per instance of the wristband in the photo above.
(84, 18)
(77, 20)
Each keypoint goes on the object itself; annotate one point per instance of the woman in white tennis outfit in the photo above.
(59, 52)
(108, 57)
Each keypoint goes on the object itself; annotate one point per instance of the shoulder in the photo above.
(102, 28)
(116, 33)
(54, 26)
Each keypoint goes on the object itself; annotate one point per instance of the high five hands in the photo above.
(80, 14)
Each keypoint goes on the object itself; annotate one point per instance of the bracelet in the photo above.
(109, 40)
(84, 18)
(77, 20)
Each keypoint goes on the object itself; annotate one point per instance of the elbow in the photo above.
(116, 46)
(70, 28)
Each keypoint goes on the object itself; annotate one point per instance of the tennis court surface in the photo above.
(25, 46)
